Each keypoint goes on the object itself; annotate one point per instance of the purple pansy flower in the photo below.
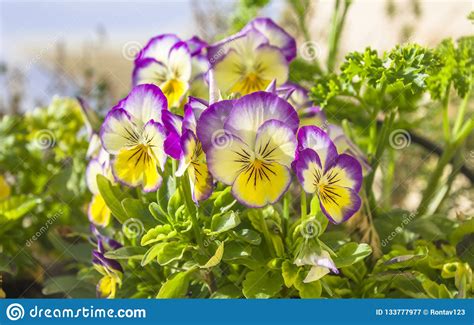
(132, 132)
(250, 60)
(250, 144)
(335, 178)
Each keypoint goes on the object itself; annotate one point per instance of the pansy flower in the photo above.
(183, 145)
(132, 132)
(250, 144)
(166, 62)
(315, 116)
(335, 179)
(110, 270)
(193, 159)
(250, 60)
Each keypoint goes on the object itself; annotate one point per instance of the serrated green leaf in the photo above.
(157, 234)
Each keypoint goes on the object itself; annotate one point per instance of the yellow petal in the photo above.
(174, 90)
(261, 184)
(99, 213)
(137, 166)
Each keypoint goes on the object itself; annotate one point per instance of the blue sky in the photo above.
(31, 23)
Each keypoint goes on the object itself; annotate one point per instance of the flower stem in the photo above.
(304, 208)
(193, 211)
(461, 112)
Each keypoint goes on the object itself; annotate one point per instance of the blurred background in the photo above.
(87, 47)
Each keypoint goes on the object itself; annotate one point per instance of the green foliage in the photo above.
(42, 158)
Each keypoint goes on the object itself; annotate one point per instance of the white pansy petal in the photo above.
(145, 102)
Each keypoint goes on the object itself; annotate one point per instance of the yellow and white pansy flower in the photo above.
(133, 134)
(250, 60)
(335, 178)
(250, 144)
(165, 62)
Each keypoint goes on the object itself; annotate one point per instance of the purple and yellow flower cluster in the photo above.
(254, 142)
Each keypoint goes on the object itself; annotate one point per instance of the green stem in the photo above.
(433, 183)
(337, 25)
(304, 205)
(286, 205)
(461, 112)
(446, 114)
(193, 211)
(381, 143)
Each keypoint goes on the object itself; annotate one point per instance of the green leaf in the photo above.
(138, 210)
(174, 203)
(224, 222)
(126, 253)
(307, 290)
(235, 251)
(464, 229)
(157, 234)
(170, 252)
(151, 253)
(248, 235)
(176, 287)
(216, 258)
(351, 253)
(262, 284)
(435, 290)
(158, 213)
(109, 193)
(289, 272)
(16, 207)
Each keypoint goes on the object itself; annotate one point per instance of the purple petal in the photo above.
(145, 102)
(158, 47)
(141, 66)
(100, 259)
(252, 110)
(196, 45)
(172, 122)
(173, 145)
(212, 122)
(276, 35)
(305, 161)
(315, 138)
